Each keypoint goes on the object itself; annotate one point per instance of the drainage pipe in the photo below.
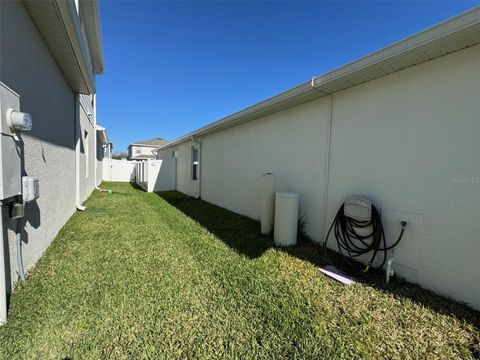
(78, 135)
(3, 273)
(95, 150)
(327, 165)
(200, 163)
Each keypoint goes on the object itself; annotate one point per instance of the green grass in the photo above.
(149, 276)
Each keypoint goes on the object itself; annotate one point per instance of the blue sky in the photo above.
(171, 67)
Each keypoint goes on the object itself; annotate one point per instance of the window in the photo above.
(138, 151)
(85, 147)
(195, 163)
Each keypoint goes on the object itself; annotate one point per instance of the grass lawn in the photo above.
(165, 276)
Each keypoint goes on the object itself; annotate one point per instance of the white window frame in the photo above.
(86, 150)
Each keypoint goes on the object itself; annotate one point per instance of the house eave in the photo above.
(102, 135)
(89, 12)
(145, 145)
(59, 24)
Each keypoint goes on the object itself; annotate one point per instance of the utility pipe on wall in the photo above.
(18, 237)
(3, 275)
(194, 140)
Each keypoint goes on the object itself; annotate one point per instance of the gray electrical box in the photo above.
(10, 164)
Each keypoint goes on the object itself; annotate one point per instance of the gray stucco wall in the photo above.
(27, 66)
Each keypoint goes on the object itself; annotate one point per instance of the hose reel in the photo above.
(359, 231)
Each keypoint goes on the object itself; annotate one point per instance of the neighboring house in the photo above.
(401, 126)
(50, 53)
(143, 150)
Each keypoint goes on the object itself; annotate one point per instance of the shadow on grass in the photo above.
(243, 235)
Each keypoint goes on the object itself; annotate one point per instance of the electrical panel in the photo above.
(10, 153)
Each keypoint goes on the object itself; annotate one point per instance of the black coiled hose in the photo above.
(351, 243)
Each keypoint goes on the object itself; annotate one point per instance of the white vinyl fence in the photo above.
(155, 175)
(118, 170)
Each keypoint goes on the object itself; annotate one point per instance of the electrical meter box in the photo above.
(10, 163)
(30, 188)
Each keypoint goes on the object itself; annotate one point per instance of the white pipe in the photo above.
(389, 272)
(78, 203)
(95, 150)
(327, 166)
(3, 274)
(18, 237)
(200, 163)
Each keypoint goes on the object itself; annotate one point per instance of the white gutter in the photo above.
(452, 35)
(145, 145)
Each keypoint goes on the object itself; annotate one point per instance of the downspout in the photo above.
(77, 127)
(200, 162)
(327, 165)
(327, 155)
(95, 141)
(3, 275)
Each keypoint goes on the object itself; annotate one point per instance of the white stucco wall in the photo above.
(29, 69)
(183, 179)
(292, 144)
(409, 141)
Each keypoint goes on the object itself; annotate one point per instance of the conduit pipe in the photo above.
(194, 140)
(3, 277)
(18, 237)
